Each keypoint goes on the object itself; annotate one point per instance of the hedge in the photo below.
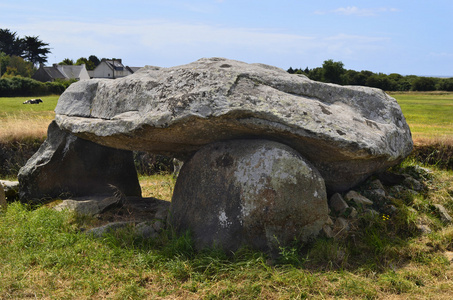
(18, 86)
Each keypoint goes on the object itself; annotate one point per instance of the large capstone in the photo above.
(68, 165)
(254, 193)
(346, 132)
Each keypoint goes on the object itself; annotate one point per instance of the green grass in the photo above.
(429, 115)
(24, 121)
(15, 105)
(44, 255)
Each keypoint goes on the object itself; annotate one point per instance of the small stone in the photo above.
(10, 188)
(357, 198)
(353, 213)
(341, 225)
(424, 229)
(413, 184)
(377, 185)
(89, 206)
(329, 221)
(145, 230)
(101, 231)
(161, 213)
(327, 231)
(337, 203)
(443, 214)
(158, 225)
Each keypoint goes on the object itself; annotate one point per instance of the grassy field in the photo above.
(44, 255)
(19, 121)
(429, 115)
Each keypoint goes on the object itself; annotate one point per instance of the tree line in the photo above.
(334, 72)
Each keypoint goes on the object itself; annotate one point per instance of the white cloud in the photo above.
(356, 11)
(442, 54)
(168, 43)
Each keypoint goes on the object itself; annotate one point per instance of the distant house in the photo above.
(63, 72)
(112, 69)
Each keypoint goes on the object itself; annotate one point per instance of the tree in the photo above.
(333, 71)
(446, 84)
(94, 60)
(66, 61)
(18, 66)
(88, 64)
(35, 50)
(4, 61)
(424, 84)
(10, 44)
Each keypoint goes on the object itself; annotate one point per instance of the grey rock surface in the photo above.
(90, 206)
(347, 132)
(101, 231)
(66, 164)
(337, 203)
(11, 188)
(358, 199)
(255, 193)
(443, 214)
(2, 197)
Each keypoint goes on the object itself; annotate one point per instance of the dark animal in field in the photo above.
(33, 101)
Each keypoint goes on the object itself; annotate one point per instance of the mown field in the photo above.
(429, 115)
(44, 255)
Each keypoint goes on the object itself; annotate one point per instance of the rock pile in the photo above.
(378, 197)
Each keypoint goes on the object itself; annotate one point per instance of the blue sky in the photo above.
(405, 37)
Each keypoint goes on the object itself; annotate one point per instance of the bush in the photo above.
(17, 86)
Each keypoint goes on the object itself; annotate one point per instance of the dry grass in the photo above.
(159, 186)
(423, 140)
(20, 126)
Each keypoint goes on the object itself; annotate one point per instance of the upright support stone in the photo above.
(66, 164)
(255, 193)
(2, 197)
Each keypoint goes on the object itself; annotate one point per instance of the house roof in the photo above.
(71, 71)
(54, 73)
(133, 69)
(64, 71)
(115, 64)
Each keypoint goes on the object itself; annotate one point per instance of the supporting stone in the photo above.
(255, 193)
(66, 164)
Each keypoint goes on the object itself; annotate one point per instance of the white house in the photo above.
(112, 69)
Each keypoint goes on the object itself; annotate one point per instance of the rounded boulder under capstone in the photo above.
(256, 193)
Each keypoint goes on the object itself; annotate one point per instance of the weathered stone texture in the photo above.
(347, 132)
(254, 193)
(66, 164)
